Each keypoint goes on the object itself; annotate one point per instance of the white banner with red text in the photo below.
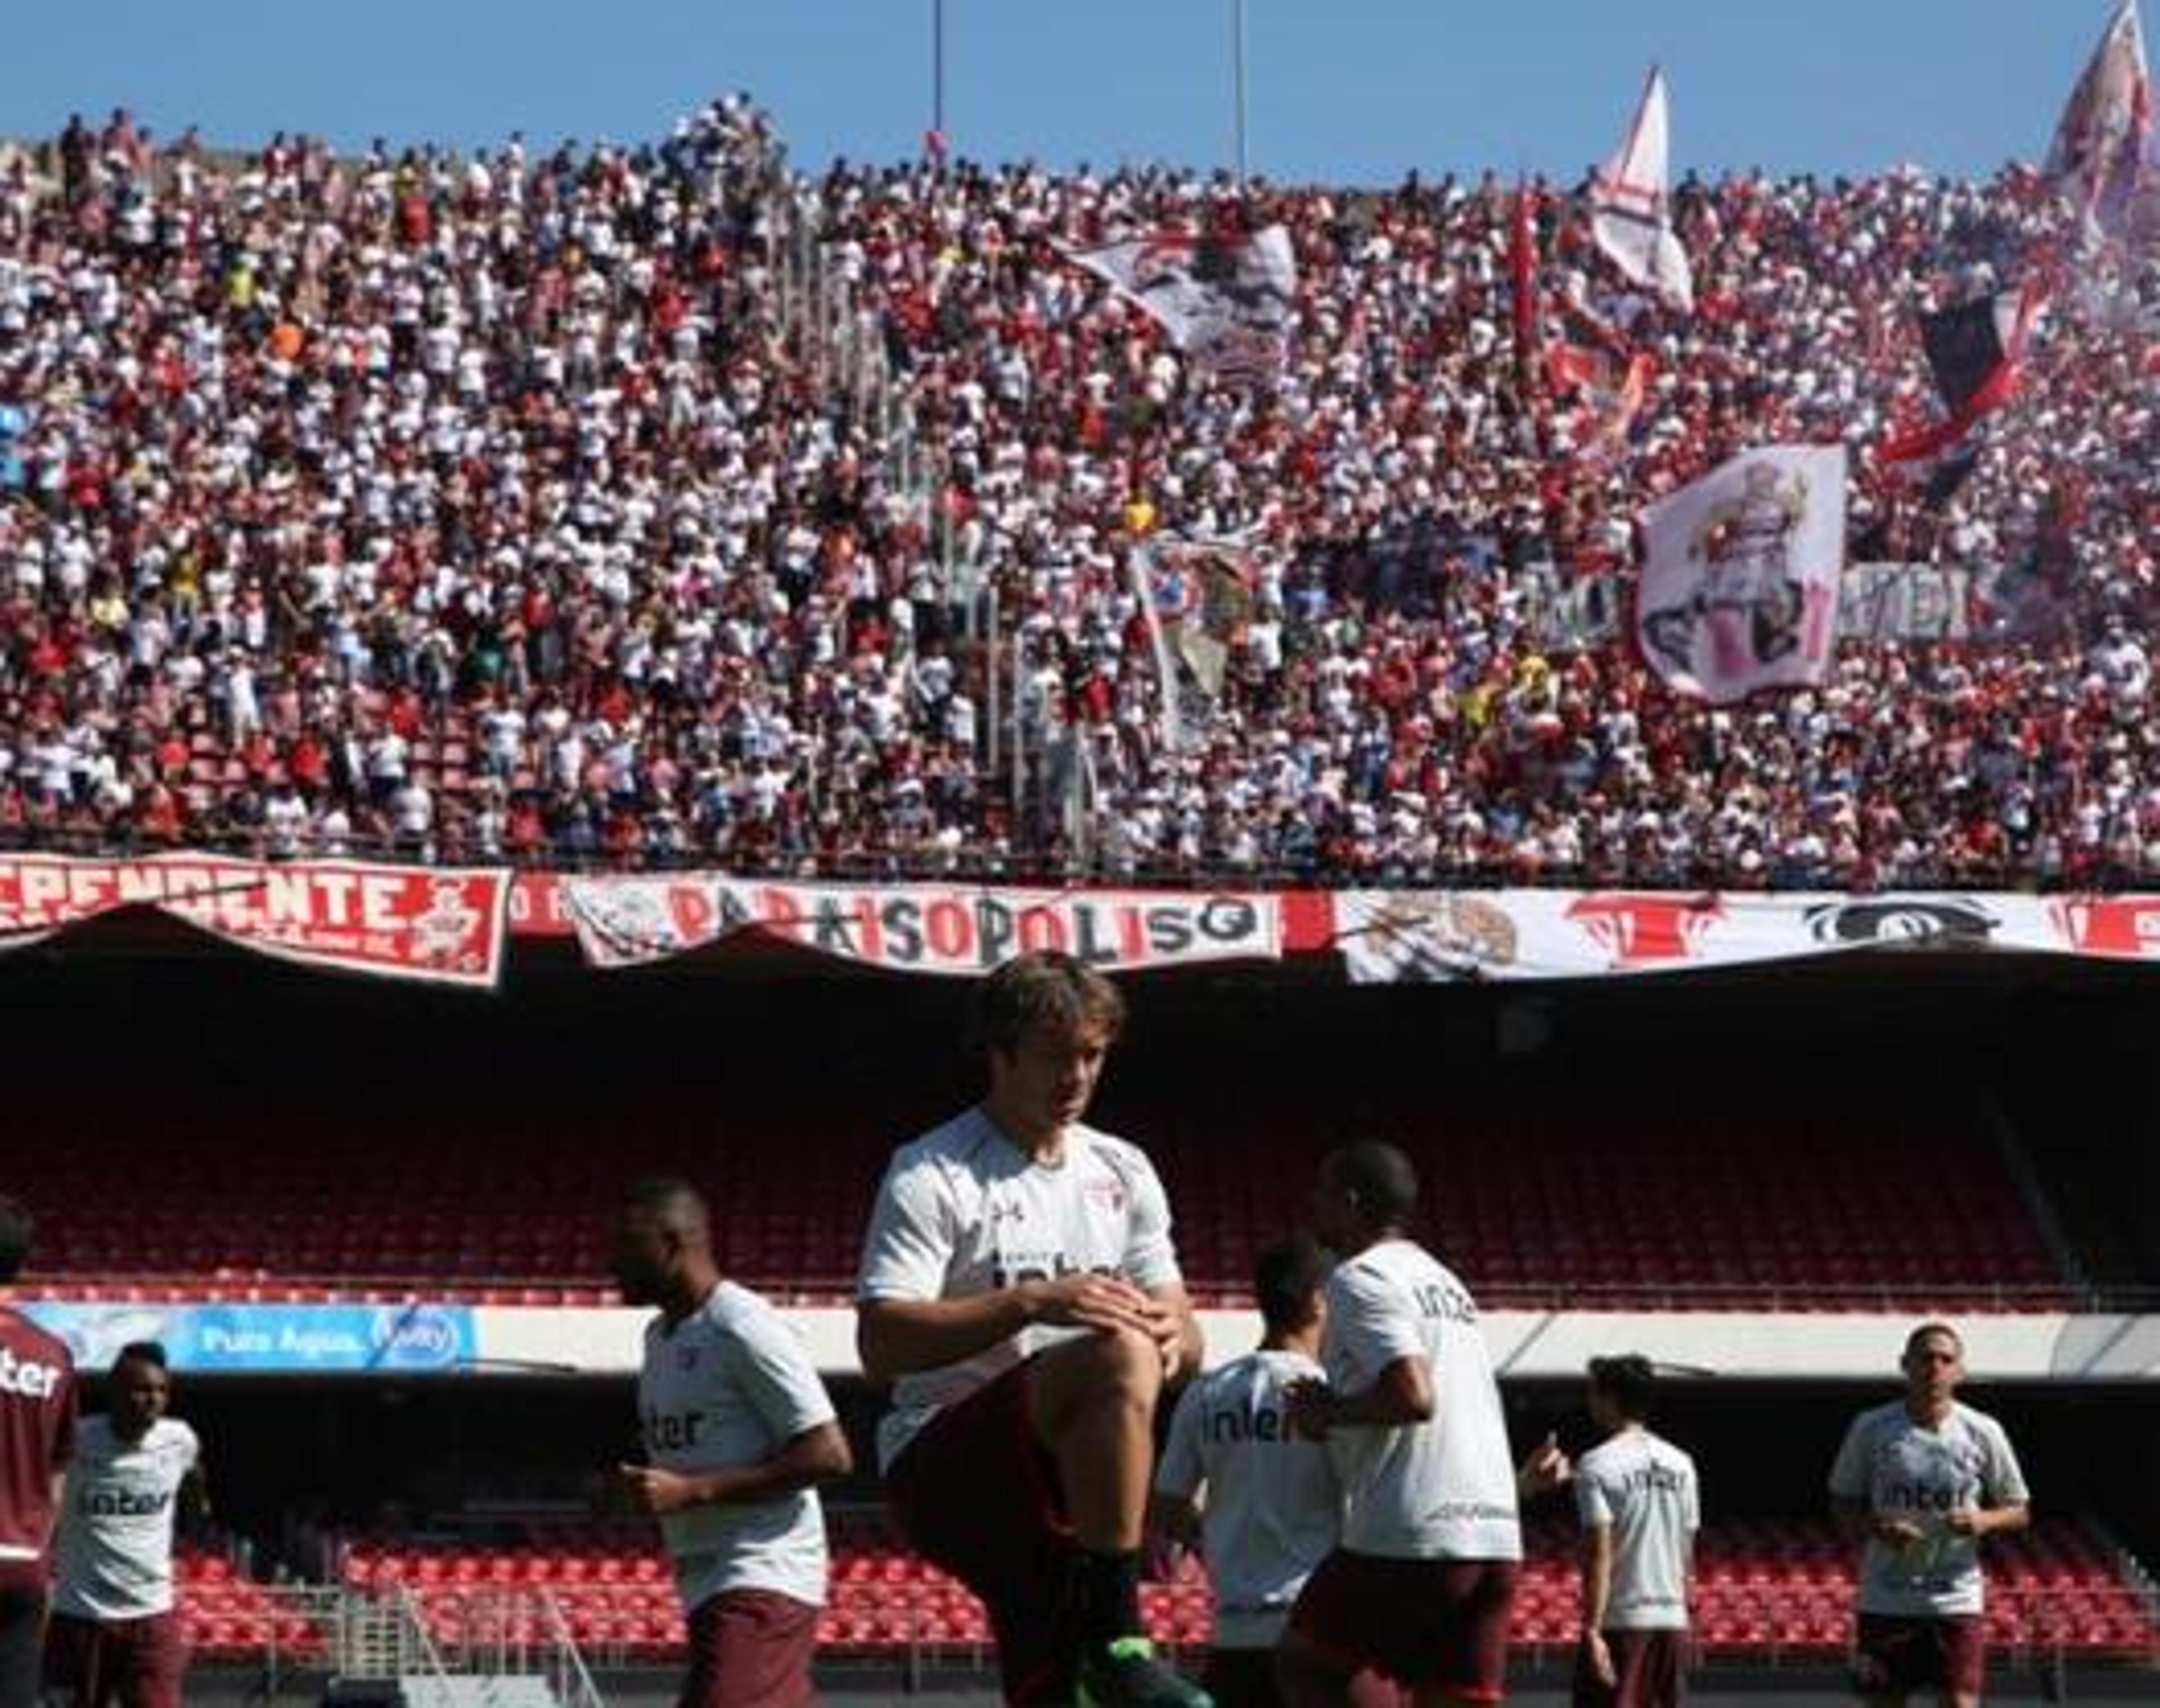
(948, 929)
(439, 924)
(1427, 936)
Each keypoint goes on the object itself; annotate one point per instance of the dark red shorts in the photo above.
(136, 1663)
(751, 1648)
(1439, 1622)
(977, 1494)
(1898, 1656)
(1652, 1666)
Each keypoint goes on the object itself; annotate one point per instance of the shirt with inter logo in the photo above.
(1897, 1468)
(37, 1438)
(1272, 1510)
(730, 1385)
(1444, 1488)
(116, 1533)
(1645, 1488)
(962, 1212)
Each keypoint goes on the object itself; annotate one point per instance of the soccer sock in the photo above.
(1110, 1585)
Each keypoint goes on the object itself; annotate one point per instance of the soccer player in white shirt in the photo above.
(739, 1430)
(1640, 1504)
(1019, 1289)
(115, 1635)
(1919, 1482)
(1420, 1586)
(1272, 1510)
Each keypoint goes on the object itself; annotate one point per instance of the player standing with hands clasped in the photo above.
(1920, 1481)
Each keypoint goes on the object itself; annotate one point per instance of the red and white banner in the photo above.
(1740, 569)
(1424, 936)
(626, 921)
(439, 925)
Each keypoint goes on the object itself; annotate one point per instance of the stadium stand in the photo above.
(642, 505)
(1582, 1197)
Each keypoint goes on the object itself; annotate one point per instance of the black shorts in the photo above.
(22, 1640)
(978, 1495)
(1419, 1622)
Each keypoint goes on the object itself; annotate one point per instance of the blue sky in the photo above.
(1344, 91)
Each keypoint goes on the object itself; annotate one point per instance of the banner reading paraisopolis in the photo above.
(439, 924)
(625, 921)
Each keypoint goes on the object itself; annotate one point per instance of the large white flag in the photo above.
(2098, 156)
(1740, 574)
(1630, 213)
(1229, 305)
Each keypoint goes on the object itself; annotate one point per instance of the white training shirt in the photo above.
(731, 1386)
(1444, 1488)
(1274, 1509)
(963, 1211)
(1897, 1468)
(1645, 1488)
(115, 1541)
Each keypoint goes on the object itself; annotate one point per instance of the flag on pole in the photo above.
(2098, 156)
(1228, 303)
(1196, 598)
(1739, 588)
(1976, 352)
(1630, 212)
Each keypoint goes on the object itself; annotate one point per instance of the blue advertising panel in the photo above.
(286, 1339)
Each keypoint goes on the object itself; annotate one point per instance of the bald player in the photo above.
(739, 1431)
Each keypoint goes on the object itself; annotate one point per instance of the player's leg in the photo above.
(977, 1495)
(21, 1629)
(1465, 1666)
(751, 1648)
(1091, 1404)
(1337, 1649)
(150, 1660)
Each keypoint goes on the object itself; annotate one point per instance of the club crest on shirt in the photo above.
(1108, 1194)
(686, 1358)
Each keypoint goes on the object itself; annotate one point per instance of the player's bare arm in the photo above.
(1401, 1394)
(900, 1337)
(1176, 1328)
(1597, 1562)
(819, 1454)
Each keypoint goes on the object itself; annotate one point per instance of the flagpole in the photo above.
(1238, 34)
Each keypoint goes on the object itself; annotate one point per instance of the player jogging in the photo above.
(739, 1430)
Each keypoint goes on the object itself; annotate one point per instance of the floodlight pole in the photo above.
(937, 71)
(1238, 34)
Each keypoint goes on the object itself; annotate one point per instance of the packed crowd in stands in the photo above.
(671, 505)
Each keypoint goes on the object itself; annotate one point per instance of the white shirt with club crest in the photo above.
(729, 1386)
(963, 1211)
(1445, 1488)
(115, 1545)
(1897, 1468)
